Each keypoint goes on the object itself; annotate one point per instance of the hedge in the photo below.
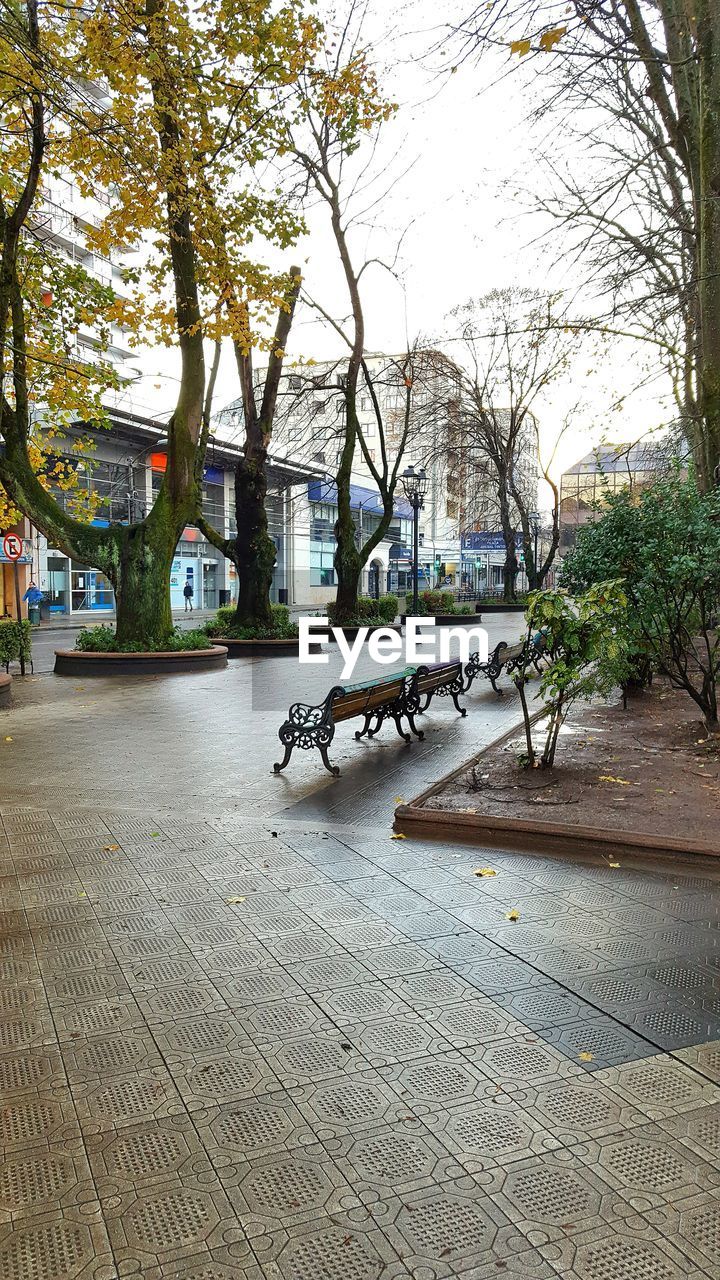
(10, 641)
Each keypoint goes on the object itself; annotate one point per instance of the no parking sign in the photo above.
(12, 546)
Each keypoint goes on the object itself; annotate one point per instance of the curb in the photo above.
(523, 835)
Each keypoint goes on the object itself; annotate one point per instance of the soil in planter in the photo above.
(650, 769)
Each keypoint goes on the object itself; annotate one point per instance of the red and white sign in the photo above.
(13, 546)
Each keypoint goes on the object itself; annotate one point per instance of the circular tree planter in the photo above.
(351, 633)
(451, 619)
(76, 662)
(5, 690)
(265, 648)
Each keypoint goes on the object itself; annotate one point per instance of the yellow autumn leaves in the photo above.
(546, 43)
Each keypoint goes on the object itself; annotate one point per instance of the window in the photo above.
(322, 571)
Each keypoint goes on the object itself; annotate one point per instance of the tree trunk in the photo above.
(708, 214)
(348, 563)
(253, 548)
(141, 578)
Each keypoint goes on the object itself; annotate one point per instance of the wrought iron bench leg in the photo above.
(281, 765)
(461, 710)
(308, 727)
(369, 717)
(396, 715)
(331, 768)
(410, 716)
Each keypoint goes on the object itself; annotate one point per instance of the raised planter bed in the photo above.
(75, 662)
(500, 608)
(639, 783)
(265, 648)
(5, 690)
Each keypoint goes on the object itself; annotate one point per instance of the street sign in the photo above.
(13, 546)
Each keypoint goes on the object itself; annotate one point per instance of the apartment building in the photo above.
(461, 496)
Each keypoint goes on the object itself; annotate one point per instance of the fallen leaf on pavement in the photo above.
(233, 900)
(110, 848)
(398, 800)
(8, 739)
(613, 864)
(512, 915)
(484, 871)
(398, 836)
(607, 777)
(584, 1056)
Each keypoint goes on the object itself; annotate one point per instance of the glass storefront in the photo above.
(90, 589)
(57, 584)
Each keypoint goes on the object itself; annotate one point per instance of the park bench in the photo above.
(510, 658)
(440, 680)
(492, 669)
(376, 700)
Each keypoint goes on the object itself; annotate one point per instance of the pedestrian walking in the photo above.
(188, 594)
(33, 595)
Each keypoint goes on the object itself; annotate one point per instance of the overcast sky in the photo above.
(451, 164)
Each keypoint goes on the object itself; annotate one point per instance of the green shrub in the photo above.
(664, 543)
(370, 612)
(224, 625)
(587, 643)
(102, 640)
(10, 642)
(431, 603)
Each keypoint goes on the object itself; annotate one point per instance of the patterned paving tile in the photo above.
(446, 1228)
(647, 1170)
(362, 1070)
(160, 1224)
(56, 1245)
(621, 1250)
(155, 1151)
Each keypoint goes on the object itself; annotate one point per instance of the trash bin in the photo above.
(34, 615)
(224, 596)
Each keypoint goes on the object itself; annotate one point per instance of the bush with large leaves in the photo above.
(665, 545)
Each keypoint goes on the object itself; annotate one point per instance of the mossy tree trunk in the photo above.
(252, 549)
(708, 214)
(135, 558)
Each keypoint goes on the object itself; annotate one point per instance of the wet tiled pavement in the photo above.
(228, 1054)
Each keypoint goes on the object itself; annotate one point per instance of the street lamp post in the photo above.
(534, 518)
(414, 485)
